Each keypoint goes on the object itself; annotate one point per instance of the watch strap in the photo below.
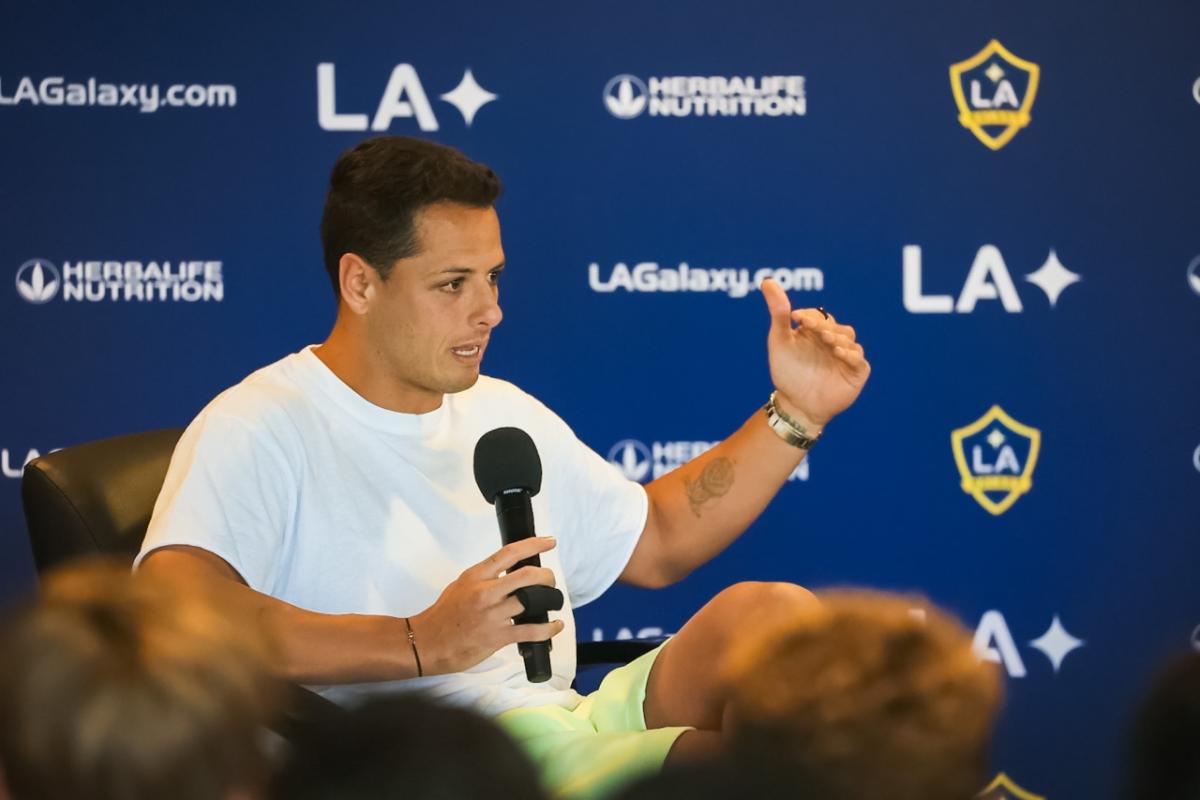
(787, 428)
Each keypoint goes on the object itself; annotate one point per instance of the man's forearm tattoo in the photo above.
(714, 481)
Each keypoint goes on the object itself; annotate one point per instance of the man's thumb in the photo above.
(778, 305)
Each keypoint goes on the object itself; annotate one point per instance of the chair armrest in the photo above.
(302, 709)
(620, 651)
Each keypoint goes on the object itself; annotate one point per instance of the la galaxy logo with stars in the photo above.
(1004, 788)
(996, 456)
(994, 91)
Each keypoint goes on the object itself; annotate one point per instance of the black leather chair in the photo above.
(97, 498)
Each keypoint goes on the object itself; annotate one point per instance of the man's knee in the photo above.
(764, 597)
(757, 602)
(742, 608)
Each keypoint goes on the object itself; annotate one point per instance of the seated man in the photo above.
(331, 493)
(862, 697)
(120, 689)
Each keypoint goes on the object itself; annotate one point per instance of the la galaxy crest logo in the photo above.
(994, 91)
(1003, 788)
(996, 456)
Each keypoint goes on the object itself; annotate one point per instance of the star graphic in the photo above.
(994, 72)
(1052, 278)
(995, 438)
(468, 97)
(1056, 643)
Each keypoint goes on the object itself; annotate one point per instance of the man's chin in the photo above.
(461, 384)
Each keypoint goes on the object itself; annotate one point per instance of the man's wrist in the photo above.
(417, 652)
(812, 427)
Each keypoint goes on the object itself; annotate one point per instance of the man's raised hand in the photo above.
(472, 618)
(817, 366)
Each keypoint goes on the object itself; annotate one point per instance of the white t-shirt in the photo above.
(328, 502)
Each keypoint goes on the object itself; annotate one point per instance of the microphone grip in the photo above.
(514, 513)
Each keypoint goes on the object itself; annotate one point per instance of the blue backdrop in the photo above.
(1000, 196)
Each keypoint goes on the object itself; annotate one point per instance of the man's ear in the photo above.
(356, 280)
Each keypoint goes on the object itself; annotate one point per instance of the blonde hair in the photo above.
(119, 688)
(867, 695)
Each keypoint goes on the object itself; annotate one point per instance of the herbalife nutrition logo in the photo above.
(632, 458)
(640, 462)
(38, 281)
(627, 96)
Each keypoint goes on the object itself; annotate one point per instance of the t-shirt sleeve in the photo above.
(601, 513)
(231, 491)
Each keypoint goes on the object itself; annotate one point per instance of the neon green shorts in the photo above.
(602, 744)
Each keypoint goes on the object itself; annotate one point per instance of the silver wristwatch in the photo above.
(788, 429)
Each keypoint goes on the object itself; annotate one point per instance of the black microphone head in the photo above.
(506, 458)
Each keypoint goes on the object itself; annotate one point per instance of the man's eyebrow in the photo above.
(466, 270)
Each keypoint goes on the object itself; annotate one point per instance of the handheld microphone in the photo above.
(508, 472)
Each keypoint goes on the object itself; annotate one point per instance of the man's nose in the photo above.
(489, 313)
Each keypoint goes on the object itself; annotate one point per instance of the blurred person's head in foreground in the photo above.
(118, 688)
(407, 746)
(866, 696)
(718, 779)
(1165, 763)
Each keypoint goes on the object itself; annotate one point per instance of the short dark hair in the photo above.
(1163, 764)
(377, 188)
(720, 778)
(407, 746)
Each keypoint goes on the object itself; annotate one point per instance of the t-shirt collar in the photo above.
(364, 410)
